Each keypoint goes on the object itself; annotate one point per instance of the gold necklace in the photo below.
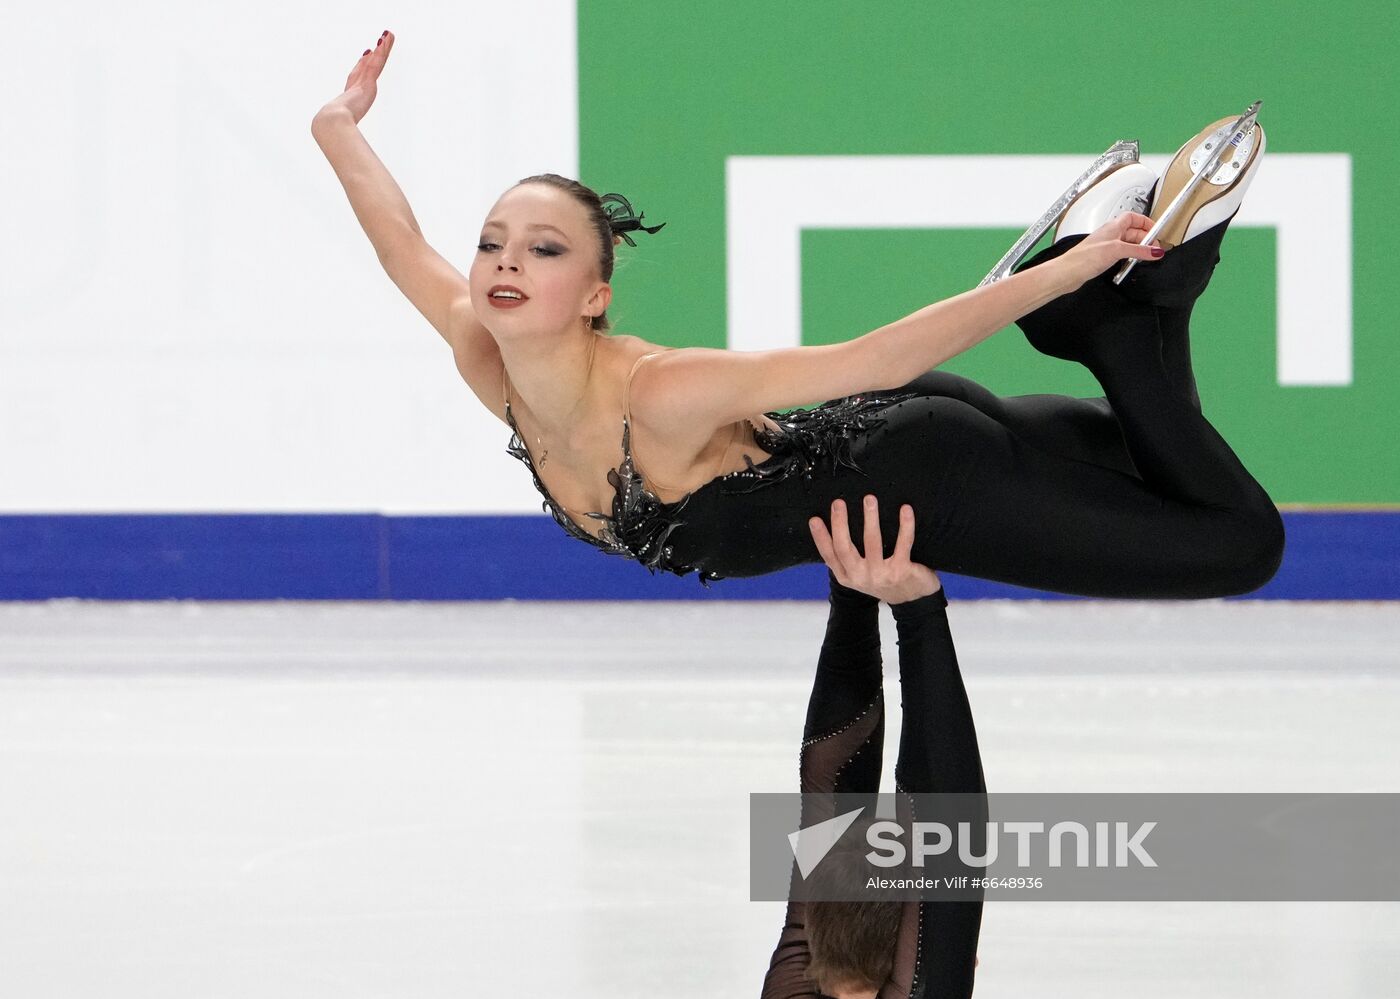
(592, 350)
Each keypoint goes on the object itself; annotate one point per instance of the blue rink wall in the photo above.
(1330, 555)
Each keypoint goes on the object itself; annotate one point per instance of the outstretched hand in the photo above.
(895, 579)
(361, 86)
(1115, 240)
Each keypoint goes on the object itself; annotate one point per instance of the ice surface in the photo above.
(492, 799)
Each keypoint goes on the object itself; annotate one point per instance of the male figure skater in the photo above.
(881, 949)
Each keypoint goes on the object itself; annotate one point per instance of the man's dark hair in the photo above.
(852, 942)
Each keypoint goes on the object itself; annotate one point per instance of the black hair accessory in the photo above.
(622, 219)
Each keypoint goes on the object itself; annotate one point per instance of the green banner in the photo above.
(669, 91)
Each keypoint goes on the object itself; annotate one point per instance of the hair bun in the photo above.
(622, 219)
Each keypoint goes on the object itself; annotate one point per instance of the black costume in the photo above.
(1133, 494)
(842, 742)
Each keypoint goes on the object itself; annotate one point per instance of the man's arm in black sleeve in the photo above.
(842, 750)
(936, 953)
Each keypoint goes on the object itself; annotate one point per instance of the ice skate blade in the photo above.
(1217, 163)
(1122, 152)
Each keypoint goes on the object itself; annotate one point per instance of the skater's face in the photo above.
(537, 238)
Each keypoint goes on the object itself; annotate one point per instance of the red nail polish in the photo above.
(1157, 251)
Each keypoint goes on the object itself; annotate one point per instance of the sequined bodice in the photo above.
(641, 523)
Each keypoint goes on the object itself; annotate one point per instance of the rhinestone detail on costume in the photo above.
(817, 439)
(640, 521)
(811, 440)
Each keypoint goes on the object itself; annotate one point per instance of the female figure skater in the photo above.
(881, 949)
(1131, 495)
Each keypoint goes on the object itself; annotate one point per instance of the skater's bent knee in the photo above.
(1272, 542)
(1262, 545)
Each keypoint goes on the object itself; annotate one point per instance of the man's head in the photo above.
(852, 942)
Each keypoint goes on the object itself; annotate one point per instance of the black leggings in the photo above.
(1133, 494)
(1084, 430)
(1156, 480)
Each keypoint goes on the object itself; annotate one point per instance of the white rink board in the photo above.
(191, 318)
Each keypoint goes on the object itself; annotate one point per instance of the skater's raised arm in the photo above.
(842, 742)
(712, 388)
(379, 204)
(934, 950)
(437, 289)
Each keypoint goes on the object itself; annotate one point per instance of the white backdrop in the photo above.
(191, 319)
